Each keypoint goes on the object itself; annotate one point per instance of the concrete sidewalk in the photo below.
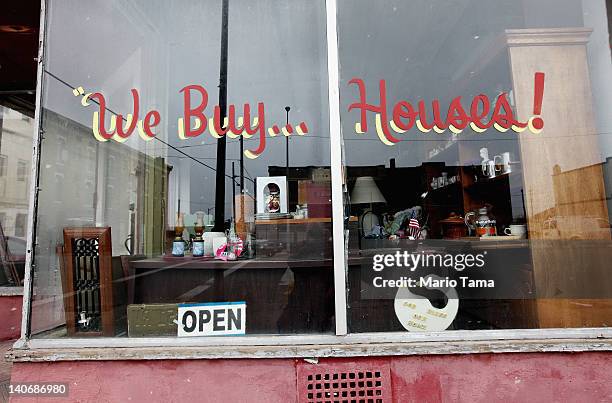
(5, 370)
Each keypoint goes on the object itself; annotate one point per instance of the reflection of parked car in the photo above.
(17, 252)
(576, 227)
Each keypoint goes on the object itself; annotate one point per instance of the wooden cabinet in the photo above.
(470, 193)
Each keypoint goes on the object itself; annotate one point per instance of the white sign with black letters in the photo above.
(212, 319)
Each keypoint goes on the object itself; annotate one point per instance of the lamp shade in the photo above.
(366, 191)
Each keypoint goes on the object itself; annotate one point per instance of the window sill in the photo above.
(365, 344)
(11, 291)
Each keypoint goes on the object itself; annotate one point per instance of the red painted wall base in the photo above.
(534, 377)
(10, 316)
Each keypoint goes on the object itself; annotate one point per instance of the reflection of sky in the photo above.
(429, 50)
(433, 50)
(424, 49)
(277, 55)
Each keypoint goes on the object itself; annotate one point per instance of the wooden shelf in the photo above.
(492, 181)
(298, 221)
(208, 263)
(447, 188)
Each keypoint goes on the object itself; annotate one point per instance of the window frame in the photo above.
(22, 168)
(3, 165)
(340, 344)
(21, 225)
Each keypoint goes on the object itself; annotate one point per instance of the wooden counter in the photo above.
(283, 296)
(207, 263)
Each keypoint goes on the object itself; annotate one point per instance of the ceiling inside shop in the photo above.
(19, 23)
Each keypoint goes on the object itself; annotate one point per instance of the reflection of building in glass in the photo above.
(85, 183)
(16, 132)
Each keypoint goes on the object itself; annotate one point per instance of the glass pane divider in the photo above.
(340, 263)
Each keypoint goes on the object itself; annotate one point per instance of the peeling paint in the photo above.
(425, 378)
(307, 351)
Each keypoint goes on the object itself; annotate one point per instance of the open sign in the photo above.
(212, 319)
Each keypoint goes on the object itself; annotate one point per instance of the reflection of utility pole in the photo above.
(221, 143)
(242, 162)
(287, 109)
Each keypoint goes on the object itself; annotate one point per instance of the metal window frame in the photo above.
(34, 172)
(277, 346)
(335, 134)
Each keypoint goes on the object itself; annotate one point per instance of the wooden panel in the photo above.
(155, 197)
(279, 299)
(560, 313)
(561, 166)
(150, 320)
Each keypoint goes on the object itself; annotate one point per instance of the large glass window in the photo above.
(475, 225)
(169, 211)
(185, 173)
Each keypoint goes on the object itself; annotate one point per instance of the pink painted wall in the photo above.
(10, 316)
(534, 377)
(583, 377)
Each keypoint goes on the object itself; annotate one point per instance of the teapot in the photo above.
(481, 223)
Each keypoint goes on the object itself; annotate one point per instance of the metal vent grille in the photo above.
(335, 383)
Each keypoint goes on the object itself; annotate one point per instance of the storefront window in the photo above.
(470, 225)
(139, 226)
(185, 167)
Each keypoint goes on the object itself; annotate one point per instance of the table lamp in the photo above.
(367, 192)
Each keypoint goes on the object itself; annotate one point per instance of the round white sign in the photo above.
(417, 314)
